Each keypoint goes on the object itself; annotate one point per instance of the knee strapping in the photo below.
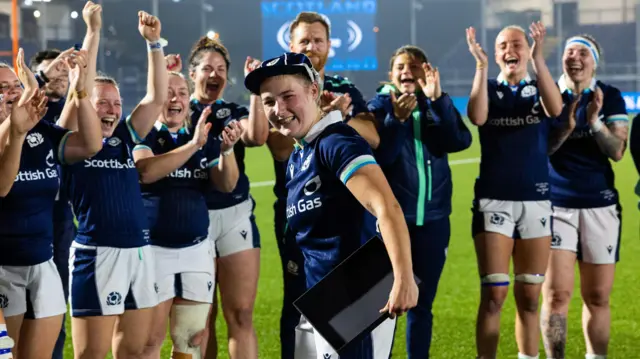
(6, 343)
(530, 278)
(495, 280)
(188, 320)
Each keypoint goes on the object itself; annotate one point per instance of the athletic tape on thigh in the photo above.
(530, 278)
(188, 321)
(495, 280)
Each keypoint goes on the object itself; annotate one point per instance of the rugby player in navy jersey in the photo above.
(332, 178)
(586, 207)
(174, 172)
(112, 267)
(30, 286)
(309, 34)
(511, 200)
(51, 72)
(419, 126)
(232, 227)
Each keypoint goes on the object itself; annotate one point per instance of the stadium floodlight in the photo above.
(74, 14)
(36, 14)
(212, 34)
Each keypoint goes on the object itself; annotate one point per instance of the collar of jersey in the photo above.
(201, 106)
(503, 81)
(331, 118)
(562, 84)
(162, 127)
(387, 88)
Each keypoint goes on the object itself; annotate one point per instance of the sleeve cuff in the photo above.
(61, 147)
(134, 135)
(355, 165)
(618, 117)
(142, 147)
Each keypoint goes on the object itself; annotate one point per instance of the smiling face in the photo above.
(108, 105)
(290, 104)
(311, 39)
(209, 76)
(176, 108)
(578, 63)
(512, 53)
(405, 72)
(10, 87)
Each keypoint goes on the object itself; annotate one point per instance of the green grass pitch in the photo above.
(458, 293)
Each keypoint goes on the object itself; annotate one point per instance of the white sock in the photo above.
(524, 356)
(594, 356)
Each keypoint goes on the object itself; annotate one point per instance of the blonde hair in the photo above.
(187, 120)
(517, 28)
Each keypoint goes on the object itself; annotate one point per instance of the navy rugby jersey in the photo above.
(513, 142)
(326, 218)
(222, 114)
(580, 174)
(105, 194)
(26, 213)
(176, 207)
(338, 85)
(62, 207)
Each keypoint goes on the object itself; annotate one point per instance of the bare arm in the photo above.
(364, 123)
(10, 161)
(146, 112)
(87, 141)
(256, 124)
(478, 106)
(550, 97)
(280, 146)
(612, 139)
(224, 173)
(560, 134)
(370, 187)
(155, 167)
(92, 14)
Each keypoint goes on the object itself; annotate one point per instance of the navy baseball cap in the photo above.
(289, 63)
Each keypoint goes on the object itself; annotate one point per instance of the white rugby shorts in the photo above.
(187, 273)
(108, 281)
(531, 219)
(43, 285)
(311, 345)
(233, 229)
(592, 233)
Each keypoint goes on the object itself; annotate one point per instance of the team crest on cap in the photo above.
(529, 91)
(273, 62)
(223, 113)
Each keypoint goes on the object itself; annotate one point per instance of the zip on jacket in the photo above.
(456, 137)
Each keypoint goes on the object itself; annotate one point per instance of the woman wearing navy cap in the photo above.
(331, 176)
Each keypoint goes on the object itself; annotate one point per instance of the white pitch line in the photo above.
(451, 163)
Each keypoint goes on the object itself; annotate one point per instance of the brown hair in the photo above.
(308, 17)
(204, 45)
(413, 51)
(41, 56)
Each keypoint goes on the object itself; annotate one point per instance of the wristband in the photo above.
(154, 46)
(480, 65)
(80, 94)
(596, 126)
(227, 152)
(43, 76)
